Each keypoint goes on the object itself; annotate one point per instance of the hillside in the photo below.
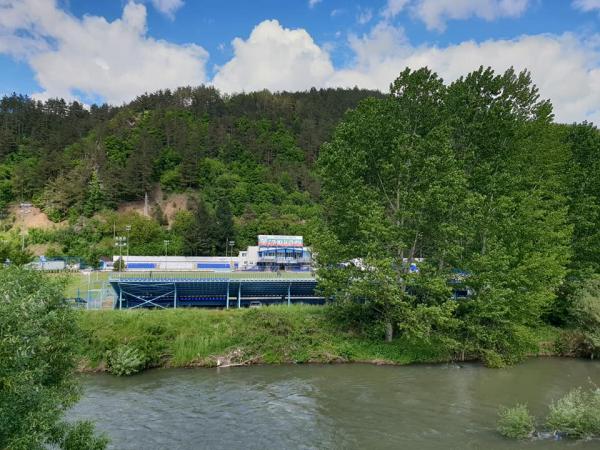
(214, 167)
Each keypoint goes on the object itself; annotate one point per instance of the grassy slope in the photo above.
(278, 334)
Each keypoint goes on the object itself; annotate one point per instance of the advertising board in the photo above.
(269, 240)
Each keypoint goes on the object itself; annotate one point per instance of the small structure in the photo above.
(57, 264)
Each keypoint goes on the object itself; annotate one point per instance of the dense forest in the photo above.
(245, 162)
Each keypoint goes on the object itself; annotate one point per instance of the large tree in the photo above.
(392, 189)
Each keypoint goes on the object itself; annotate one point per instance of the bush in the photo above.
(577, 414)
(516, 422)
(125, 360)
(586, 313)
(79, 436)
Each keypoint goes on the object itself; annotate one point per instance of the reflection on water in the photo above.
(333, 407)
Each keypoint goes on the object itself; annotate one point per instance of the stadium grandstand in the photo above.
(277, 270)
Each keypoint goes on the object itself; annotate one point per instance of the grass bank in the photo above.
(208, 338)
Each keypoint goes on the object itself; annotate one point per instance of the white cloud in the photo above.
(313, 3)
(435, 13)
(394, 7)
(566, 68)
(274, 58)
(364, 16)
(168, 7)
(587, 5)
(115, 60)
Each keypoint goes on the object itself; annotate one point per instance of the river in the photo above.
(352, 406)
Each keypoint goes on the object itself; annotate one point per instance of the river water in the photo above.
(352, 406)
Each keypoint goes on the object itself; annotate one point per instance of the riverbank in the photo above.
(274, 335)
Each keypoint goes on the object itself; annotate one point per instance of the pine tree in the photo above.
(222, 227)
(95, 198)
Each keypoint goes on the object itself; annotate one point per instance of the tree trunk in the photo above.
(389, 332)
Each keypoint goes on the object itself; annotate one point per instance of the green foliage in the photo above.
(468, 176)
(170, 180)
(516, 422)
(119, 265)
(95, 199)
(577, 414)
(125, 360)
(117, 150)
(38, 355)
(585, 311)
(79, 436)
(584, 189)
(11, 249)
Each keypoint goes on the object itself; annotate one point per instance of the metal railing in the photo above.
(210, 275)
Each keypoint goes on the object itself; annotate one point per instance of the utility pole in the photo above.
(128, 229)
(231, 244)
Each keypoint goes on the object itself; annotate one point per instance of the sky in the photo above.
(111, 51)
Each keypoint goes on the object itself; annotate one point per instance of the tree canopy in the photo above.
(471, 179)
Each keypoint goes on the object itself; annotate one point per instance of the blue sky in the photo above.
(113, 50)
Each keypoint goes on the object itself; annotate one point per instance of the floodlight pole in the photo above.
(231, 244)
(166, 242)
(128, 229)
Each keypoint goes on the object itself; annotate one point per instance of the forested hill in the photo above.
(254, 151)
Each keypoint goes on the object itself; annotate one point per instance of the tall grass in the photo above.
(276, 334)
(516, 422)
(577, 414)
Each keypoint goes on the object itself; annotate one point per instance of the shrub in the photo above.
(516, 422)
(125, 360)
(79, 436)
(492, 359)
(577, 414)
(586, 313)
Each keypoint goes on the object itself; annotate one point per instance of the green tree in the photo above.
(585, 311)
(515, 166)
(469, 177)
(222, 226)
(392, 190)
(95, 198)
(194, 228)
(38, 341)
